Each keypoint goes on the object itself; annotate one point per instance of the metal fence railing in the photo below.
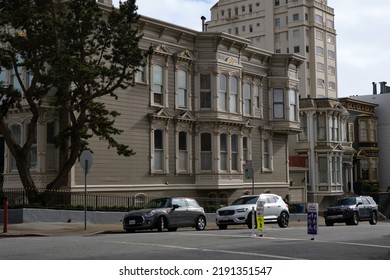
(96, 201)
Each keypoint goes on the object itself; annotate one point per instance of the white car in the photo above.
(240, 211)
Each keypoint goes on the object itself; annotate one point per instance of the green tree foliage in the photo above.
(74, 52)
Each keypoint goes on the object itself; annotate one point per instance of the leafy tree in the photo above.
(74, 53)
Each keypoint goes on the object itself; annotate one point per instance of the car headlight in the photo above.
(241, 210)
(150, 213)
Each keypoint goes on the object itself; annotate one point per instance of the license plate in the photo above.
(131, 222)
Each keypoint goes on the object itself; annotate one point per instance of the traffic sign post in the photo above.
(260, 215)
(86, 164)
(312, 219)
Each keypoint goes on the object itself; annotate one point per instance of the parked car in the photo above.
(351, 210)
(240, 211)
(166, 213)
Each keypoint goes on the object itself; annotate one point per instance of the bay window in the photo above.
(278, 103)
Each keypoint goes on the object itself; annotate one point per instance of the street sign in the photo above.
(248, 170)
(86, 160)
(249, 173)
(312, 218)
(86, 164)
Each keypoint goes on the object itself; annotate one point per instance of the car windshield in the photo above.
(245, 200)
(158, 203)
(345, 201)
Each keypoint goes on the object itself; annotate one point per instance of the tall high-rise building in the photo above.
(304, 27)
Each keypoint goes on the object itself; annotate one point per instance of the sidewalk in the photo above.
(58, 229)
(64, 229)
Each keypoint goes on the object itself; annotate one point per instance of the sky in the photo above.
(363, 39)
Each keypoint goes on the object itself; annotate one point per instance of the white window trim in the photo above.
(283, 103)
(188, 170)
(165, 169)
(164, 93)
(270, 154)
(188, 90)
(199, 153)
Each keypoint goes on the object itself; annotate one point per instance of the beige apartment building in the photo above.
(304, 27)
(205, 107)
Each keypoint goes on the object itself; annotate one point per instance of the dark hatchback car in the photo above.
(166, 213)
(351, 210)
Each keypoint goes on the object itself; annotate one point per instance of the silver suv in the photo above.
(351, 210)
(240, 211)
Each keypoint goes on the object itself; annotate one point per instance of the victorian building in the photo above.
(363, 134)
(324, 143)
(204, 106)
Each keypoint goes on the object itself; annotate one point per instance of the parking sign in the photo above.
(260, 214)
(312, 218)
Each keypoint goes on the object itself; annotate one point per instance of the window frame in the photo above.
(278, 106)
(266, 153)
(206, 152)
(223, 152)
(223, 92)
(183, 155)
(183, 100)
(321, 127)
(205, 97)
(162, 149)
(247, 96)
(157, 83)
(233, 94)
(303, 135)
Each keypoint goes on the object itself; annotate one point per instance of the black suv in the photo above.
(351, 210)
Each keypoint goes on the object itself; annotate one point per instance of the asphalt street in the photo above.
(362, 242)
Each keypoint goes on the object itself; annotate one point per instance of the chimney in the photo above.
(203, 25)
(383, 87)
(374, 89)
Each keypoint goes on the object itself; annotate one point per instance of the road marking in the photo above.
(290, 239)
(236, 253)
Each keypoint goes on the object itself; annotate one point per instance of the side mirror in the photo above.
(175, 206)
(359, 203)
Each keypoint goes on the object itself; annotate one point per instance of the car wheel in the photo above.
(200, 223)
(161, 223)
(283, 220)
(249, 221)
(374, 218)
(222, 226)
(354, 221)
(329, 223)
